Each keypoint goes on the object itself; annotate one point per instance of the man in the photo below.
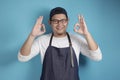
(59, 50)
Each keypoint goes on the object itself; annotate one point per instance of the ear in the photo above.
(68, 19)
(49, 22)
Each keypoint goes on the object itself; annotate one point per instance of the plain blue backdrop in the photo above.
(17, 17)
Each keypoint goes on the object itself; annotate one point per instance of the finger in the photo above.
(76, 27)
(80, 18)
(43, 28)
(39, 20)
(42, 31)
(83, 21)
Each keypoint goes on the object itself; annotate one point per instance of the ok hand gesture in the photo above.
(39, 28)
(82, 27)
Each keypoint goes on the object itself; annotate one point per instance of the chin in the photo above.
(60, 32)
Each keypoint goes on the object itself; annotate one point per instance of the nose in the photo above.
(59, 22)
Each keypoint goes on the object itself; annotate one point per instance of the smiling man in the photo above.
(59, 50)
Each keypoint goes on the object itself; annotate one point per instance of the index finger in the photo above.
(40, 19)
(80, 18)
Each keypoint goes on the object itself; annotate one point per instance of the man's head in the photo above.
(58, 20)
(58, 10)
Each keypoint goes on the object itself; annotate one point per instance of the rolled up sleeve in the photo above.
(95, 55)
(22, 58)
(34, 51)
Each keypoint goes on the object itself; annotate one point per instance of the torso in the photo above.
(59, 43)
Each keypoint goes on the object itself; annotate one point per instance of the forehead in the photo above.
(59, 16)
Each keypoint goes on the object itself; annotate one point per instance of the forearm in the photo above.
(26, 48)
(91, 43)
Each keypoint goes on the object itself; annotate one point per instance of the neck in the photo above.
(60, 35)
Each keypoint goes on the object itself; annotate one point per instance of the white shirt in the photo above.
(79, 45)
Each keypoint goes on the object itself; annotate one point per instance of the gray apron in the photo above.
(60, 63)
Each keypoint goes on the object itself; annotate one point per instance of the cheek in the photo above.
(66, 24)
(53, 26)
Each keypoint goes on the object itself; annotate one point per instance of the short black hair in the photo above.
(58, 10)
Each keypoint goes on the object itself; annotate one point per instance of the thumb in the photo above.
(76, 27)
(43, 28)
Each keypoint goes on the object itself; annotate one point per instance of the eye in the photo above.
(64, 20)
(55, 21)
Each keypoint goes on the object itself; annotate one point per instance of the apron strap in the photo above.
(70, 45)
(51, 39)
(71, 50)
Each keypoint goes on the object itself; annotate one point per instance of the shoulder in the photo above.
(76, 37)
(43, 38)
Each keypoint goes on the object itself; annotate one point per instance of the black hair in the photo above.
(58, 10)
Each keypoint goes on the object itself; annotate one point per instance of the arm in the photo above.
(26, 48)
(90, 49)
(84, 31)
(91, 43)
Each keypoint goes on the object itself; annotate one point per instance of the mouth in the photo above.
(59, 28)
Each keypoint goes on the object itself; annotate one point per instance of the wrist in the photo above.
(32, 36)
(87, 34)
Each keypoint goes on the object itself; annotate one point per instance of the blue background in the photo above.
(17, 17)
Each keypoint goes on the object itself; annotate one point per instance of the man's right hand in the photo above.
(39, 28)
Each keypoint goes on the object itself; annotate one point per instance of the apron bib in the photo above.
(60, 63)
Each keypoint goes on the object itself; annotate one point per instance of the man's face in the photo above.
(59, 24)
